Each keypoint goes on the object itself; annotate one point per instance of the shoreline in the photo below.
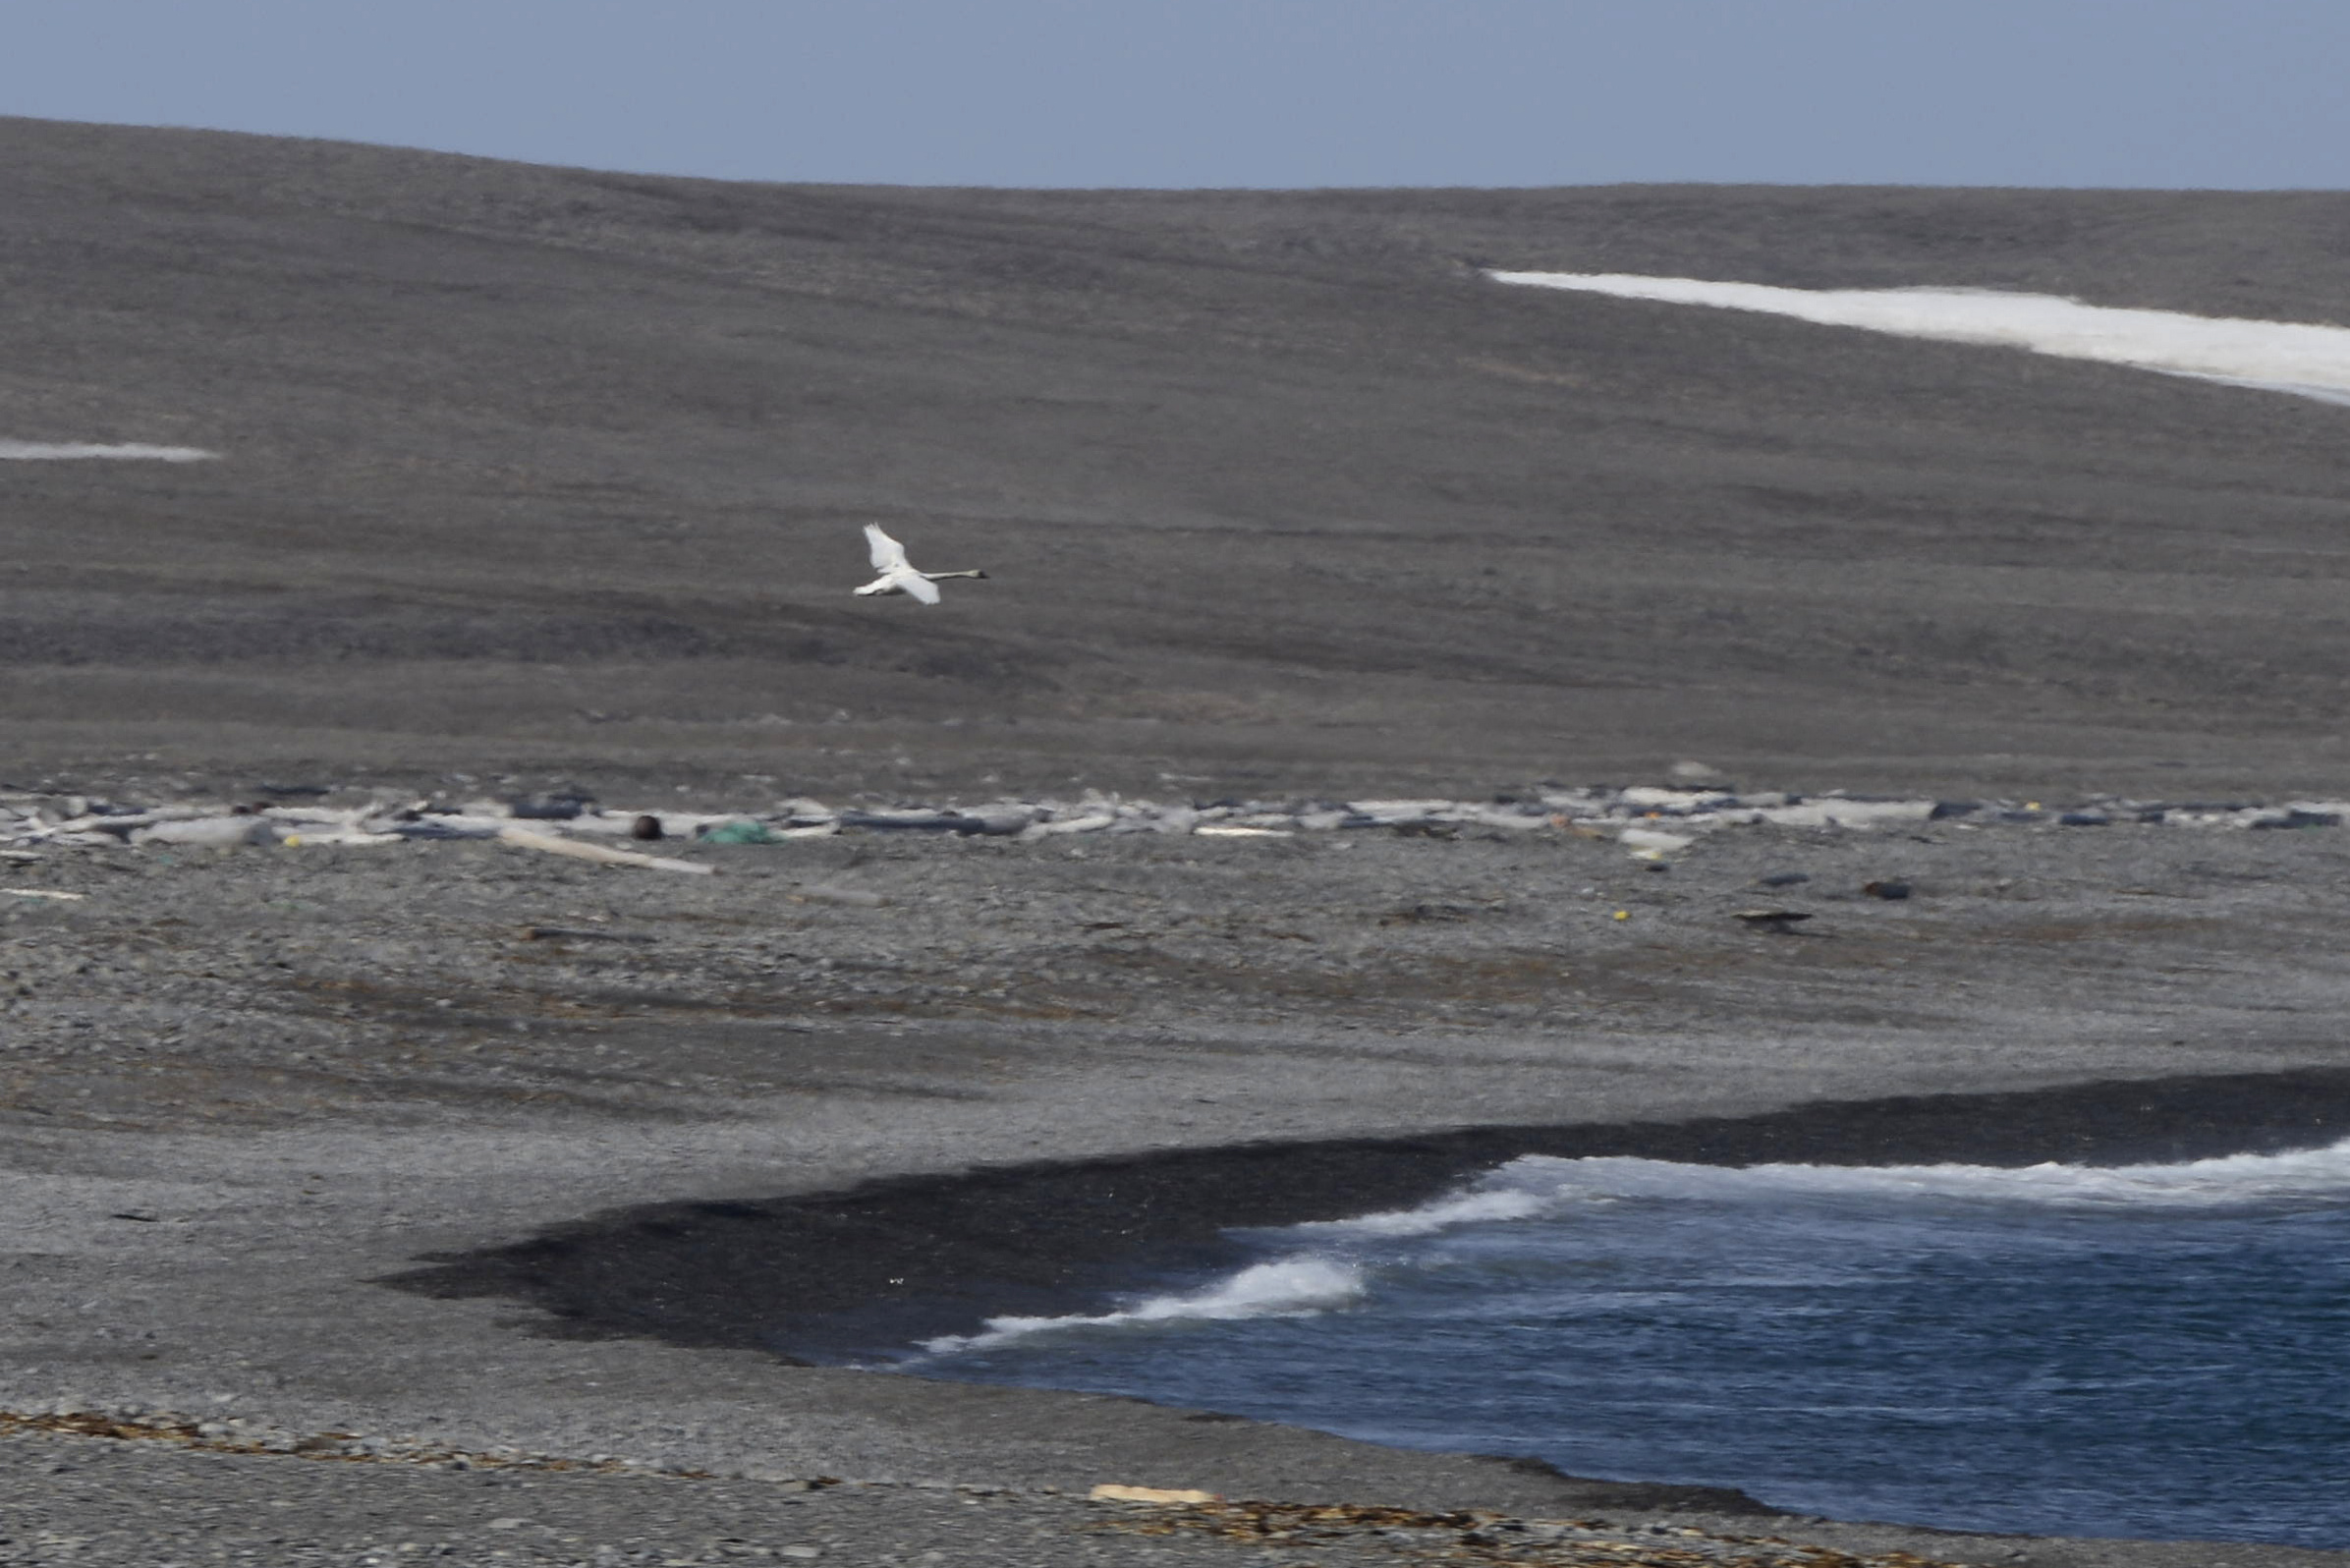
(247, 1086)
(2103, 1123)
(827, 1276)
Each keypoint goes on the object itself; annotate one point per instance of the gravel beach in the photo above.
(325, 1140)
(453, 1199)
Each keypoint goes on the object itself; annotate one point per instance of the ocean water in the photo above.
(2153, 1350)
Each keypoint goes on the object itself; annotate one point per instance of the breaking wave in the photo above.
(2303, 359)
(1336, 1264)
(1468, 1208)
(1547, 1184)
(1290, 1288)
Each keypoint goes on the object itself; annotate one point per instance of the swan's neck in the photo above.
(937, 576)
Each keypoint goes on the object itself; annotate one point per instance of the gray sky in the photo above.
(2245, 93)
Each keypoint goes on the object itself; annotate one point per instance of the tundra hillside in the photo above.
(551, 467)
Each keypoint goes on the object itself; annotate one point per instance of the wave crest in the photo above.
(1293, 1287)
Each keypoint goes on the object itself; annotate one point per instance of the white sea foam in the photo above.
(1467, 1209)
(2303, 359)
(1553, 1185)
(74, 451)
(1538, 1185)
(1294, 1287)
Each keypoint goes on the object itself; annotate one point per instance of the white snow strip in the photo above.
(2301, 358)
(72, 451)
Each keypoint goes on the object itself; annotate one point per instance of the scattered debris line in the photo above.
(1650, 822)
(1467, 1537)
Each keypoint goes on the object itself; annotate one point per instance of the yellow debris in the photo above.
(1108, 1493)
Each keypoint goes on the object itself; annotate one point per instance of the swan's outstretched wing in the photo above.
(920, 587)
(888, 554)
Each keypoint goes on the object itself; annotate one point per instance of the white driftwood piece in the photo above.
(599, 852)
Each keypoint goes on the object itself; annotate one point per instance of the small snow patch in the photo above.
(73, 451)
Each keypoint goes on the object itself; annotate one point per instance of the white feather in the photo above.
(888, 554)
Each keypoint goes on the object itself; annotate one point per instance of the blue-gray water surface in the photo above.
(2148, 1350)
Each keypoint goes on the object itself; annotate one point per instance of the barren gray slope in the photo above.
(544, 464)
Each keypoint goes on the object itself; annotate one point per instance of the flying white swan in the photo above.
(897, 576)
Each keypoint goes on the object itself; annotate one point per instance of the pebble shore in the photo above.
(249, 1084)
(508, 1507)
